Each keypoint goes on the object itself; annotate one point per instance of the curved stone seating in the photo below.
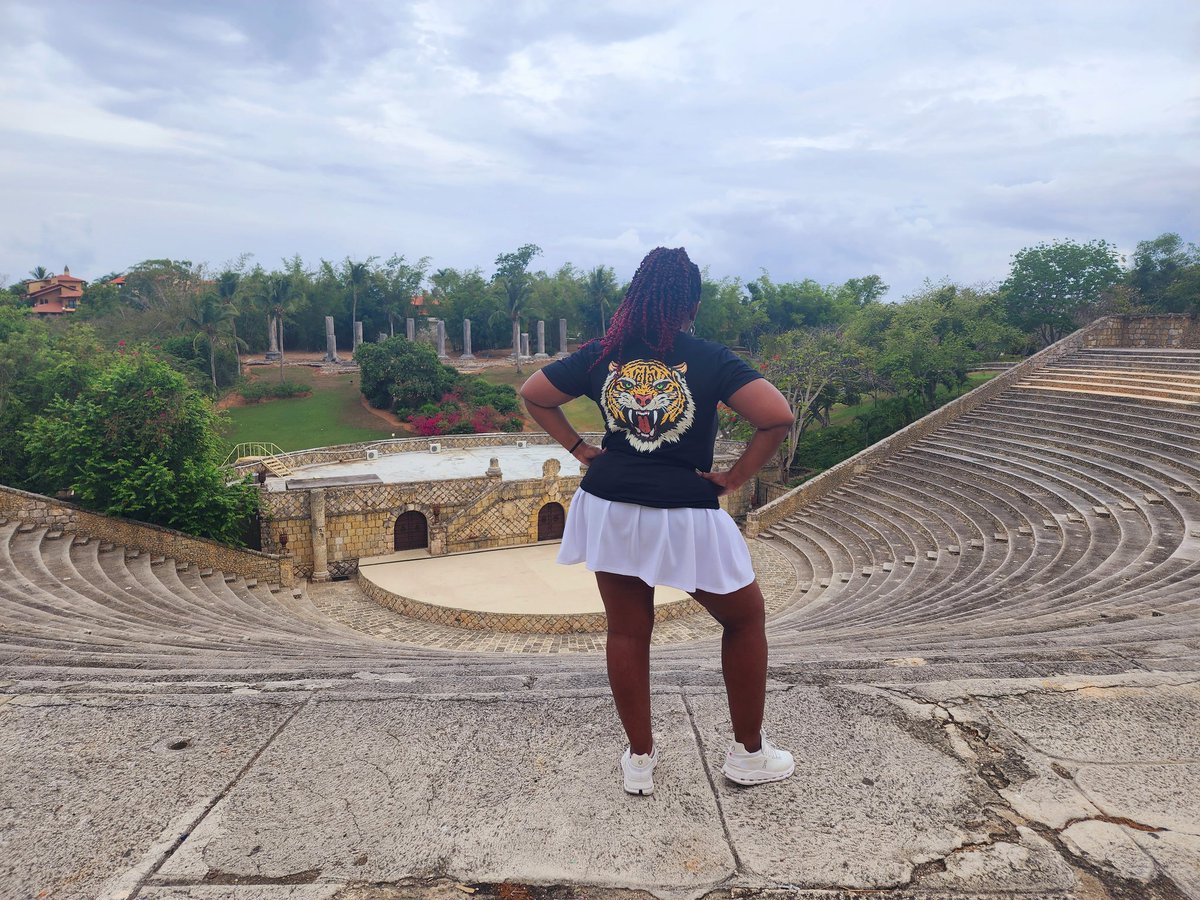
(1058, 520)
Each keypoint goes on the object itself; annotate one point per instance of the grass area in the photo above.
(332, 414)
(581, 412)
(844, 415)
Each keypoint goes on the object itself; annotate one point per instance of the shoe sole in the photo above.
(752, 778)
(639, 791)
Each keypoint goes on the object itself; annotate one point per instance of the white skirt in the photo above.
(681, 548)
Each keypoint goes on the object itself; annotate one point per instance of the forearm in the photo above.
(761, 448)
(554, 422)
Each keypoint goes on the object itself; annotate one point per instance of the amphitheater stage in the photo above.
(512, 589)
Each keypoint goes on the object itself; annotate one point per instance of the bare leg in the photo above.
(743, 657)
(629, 604)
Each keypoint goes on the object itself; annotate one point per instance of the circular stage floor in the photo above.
(514, 589)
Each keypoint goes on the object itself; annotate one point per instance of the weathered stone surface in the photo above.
(383, 789)
(89, 784)
(1111, 847)
(870, 799)
(1027, 864)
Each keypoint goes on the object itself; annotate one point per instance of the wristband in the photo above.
(576, 447)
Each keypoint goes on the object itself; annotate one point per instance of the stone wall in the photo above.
(463, 514)
(833, 478)
(1175, 332)
(48, 512)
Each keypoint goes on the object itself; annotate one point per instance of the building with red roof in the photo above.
(55, 295)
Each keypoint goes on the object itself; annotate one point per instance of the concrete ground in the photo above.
(389, 786)
(522, 580)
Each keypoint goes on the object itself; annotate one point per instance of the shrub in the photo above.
(138, 441)
(257, 391)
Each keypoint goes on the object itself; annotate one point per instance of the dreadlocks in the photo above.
(664, 290)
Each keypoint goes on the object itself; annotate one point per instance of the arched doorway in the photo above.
(551, 519)
(412, 531)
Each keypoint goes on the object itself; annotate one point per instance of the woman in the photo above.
(646, 511)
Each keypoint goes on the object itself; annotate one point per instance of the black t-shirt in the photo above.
(660, 417)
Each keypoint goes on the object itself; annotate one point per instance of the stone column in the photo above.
(358, 338)
(272, 339)
(410, 329)
(516, 338)
(562, 338)
(466, 354)
(330, 341)
(441, 339)
(525, 344)
(541, 334)
(316, 517)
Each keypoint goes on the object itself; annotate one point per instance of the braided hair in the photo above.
(664, 290)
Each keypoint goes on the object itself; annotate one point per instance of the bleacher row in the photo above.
(1061, 516)
(1063, 512)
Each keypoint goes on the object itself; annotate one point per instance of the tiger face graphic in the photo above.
(649, 401)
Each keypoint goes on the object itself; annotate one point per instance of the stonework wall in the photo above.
(463, 514)
(153, 539)
(833, 478)
(1175, 332)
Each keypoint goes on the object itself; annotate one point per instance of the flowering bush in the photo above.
(457, 415)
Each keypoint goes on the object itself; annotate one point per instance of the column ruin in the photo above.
(330, 341)
(466, 354)
(541, 338)
(562, 339)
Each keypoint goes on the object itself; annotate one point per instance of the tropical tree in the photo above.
(284, 297)
(39, 273)
(356, 276)
(601, 293)
(805, 363)
(233, 298)
(139, 442)
(400, 282)
(1054, 288)
(1165, 274)
(512, 275)
(209, 319)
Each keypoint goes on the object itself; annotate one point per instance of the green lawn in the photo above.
(581, 412)
(330, 415)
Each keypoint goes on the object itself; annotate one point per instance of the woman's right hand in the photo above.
(585, 453)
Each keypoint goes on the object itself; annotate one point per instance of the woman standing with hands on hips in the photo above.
(646, 511)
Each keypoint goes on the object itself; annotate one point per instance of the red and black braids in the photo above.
(664, 290)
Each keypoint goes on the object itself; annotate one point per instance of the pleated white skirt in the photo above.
(681, 548)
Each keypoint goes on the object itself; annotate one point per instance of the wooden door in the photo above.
(412, 531)
(551, 519)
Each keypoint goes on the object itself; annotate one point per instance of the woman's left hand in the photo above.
(724, 481)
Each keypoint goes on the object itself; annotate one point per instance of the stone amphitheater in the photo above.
(985, 654)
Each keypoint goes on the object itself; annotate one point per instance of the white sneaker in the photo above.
(768, 763)
(638, 771)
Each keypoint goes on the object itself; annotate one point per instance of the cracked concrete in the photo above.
(375, 789)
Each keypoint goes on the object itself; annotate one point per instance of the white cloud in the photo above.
(913, 140)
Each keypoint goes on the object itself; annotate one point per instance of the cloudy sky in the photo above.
(827, 140)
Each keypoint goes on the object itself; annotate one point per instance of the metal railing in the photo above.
(251, 450)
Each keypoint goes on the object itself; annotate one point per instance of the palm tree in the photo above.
(39, 273)
(512, 273)
(207, 320)
(600, 286)
(282, 299)
(356, 275)
(227, 290)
